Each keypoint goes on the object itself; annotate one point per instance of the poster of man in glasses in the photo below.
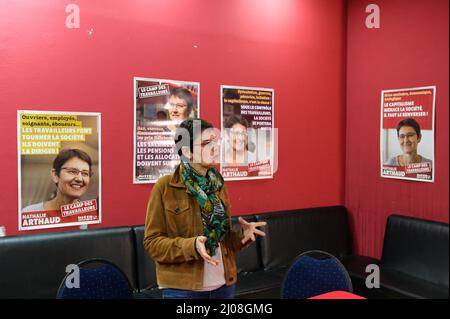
(159, 107)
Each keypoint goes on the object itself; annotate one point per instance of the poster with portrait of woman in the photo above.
(59, 168)
(159, 107)
(247, 132)
(407, 133)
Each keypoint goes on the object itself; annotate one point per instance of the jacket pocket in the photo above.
(177, 207)
(178, 217)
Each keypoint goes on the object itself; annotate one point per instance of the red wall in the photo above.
(409, 50)
(296, 47)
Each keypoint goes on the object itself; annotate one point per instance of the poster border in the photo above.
(271, 176)
(19, 165)
(139, 78)
(434, 133)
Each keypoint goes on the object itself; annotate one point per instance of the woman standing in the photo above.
(188, 227)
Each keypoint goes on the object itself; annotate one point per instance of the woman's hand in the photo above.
(201, 249)
(250, 230)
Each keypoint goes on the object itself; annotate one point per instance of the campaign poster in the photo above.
(59, 169)
(407, 133)
(159, 107)
(247, 132)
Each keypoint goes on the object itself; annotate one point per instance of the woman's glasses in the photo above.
(408, 136)
(75, 171)
(216, 141)
(239, 134)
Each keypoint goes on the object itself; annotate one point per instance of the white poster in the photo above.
(248, 133)
(407, 133)
(159, 107)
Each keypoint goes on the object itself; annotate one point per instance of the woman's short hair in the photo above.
(66, 154)
(238, 119)
(409, 122)
(233, 119)
(184, 135)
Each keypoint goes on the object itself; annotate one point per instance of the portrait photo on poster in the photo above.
(59, 169)
(159, 107)
(407, 134)
(247, 115)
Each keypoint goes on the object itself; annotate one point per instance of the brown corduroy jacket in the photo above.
(173, 222)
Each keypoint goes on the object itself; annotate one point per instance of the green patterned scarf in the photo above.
(206, 191)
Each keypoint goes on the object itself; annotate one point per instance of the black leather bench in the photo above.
(146, 270)
(261, 266)
(414, 262)
(33, 266)
(290, 233)
(415, 259)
